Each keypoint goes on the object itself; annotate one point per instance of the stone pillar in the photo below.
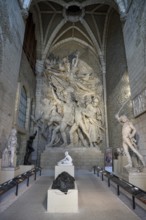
(122, 8)
(39, 85)
(27, 114)
(105, 99)
(17, 104)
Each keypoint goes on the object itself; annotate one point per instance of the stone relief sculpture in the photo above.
(73, 106)
(9, 152)
(67, 160)
(129, 141)
(93, 120)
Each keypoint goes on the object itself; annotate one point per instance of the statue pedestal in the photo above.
(58, 202)
(25, 168)
(116, 167)
(64, 168)
(119, 166)
(138, 179)
(8, 173)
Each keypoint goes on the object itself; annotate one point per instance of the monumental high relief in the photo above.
(72, 103)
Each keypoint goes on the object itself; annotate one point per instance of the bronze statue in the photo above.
(29, 149)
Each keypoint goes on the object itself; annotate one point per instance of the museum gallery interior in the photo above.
(72, 109)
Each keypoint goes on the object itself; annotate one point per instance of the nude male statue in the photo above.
(128, 134)
(67, 160)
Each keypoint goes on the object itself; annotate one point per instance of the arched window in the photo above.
(22, 108)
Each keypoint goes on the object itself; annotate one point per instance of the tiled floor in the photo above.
(96, 202)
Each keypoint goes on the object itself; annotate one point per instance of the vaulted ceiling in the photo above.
(83, 21)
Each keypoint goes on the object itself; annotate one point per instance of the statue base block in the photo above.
(58, 202)
(8, 173)
(25, 168)
(64, 168)
(138, 179)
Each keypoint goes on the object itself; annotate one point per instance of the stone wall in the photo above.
(27, 79)
(117, 80)
(11, 39)
(134, 31)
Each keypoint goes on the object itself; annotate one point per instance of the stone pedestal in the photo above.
(8, 173)
(64, 168)
(116, 167)
(25, 168)
(119, 166)
(138, 179)
(58, 202)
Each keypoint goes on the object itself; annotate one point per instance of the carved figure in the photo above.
(93, 120)
(68, 112)
(128, 135)
(56, 118)
(12, 144)
(79, 124)
(67, 160)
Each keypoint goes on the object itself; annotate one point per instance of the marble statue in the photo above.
(129, 141)
(12, 145)
(67, 160)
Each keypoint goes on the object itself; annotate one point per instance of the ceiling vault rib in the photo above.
(73, 29)
(77, 40)
(97, 31)
(58, 27)
(47, 31)
(51, 12)
(85, 24)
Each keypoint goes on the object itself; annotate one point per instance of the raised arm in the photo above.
(55, 96)
(133, 129)
(117, 117)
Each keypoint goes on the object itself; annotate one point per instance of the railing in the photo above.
(134, 191)
(6, 186)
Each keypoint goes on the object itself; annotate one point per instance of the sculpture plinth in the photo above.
(61, 168)
(138, 179)
(58, 202)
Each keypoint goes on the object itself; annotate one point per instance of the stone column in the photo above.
(103, 66)
(122, 8)
(27, 114)
(39, 85)
(17, 101)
